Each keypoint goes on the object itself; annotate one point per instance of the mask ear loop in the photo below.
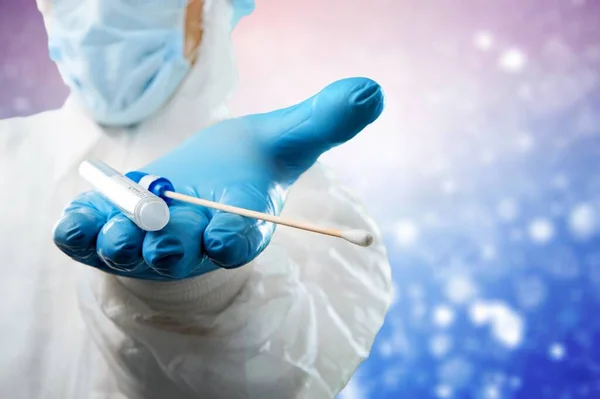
(241, 8)
(193, 32)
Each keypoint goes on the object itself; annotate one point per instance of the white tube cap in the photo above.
(153, 215)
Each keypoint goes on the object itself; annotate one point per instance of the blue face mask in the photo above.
(123, 59)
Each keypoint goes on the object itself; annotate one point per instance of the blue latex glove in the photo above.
(249, 162)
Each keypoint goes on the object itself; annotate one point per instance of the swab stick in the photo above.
(355, 236)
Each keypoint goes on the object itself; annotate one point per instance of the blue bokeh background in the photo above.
(482, 173)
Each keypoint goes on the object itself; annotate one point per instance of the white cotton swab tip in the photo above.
(358, 237)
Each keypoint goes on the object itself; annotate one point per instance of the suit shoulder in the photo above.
(16, 132)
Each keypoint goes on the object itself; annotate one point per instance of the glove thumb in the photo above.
(298, 135)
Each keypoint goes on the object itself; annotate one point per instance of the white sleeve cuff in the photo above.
(207, 293)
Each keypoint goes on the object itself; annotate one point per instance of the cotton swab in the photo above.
(355, 236)
(143, 198)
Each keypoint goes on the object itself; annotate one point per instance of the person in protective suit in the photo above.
(214, 305)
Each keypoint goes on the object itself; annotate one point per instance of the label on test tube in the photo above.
(142, 207)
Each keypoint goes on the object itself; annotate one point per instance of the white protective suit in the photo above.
(294, 323)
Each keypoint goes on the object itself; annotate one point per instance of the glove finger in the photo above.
(119, 245)
(176, 250)
(77, 230)
(231, 240)
(298, 135)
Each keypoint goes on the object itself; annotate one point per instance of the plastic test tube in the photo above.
(148, 211)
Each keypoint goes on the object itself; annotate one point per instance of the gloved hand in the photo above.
(248, 162)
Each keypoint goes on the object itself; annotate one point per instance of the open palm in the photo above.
(248, 162)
